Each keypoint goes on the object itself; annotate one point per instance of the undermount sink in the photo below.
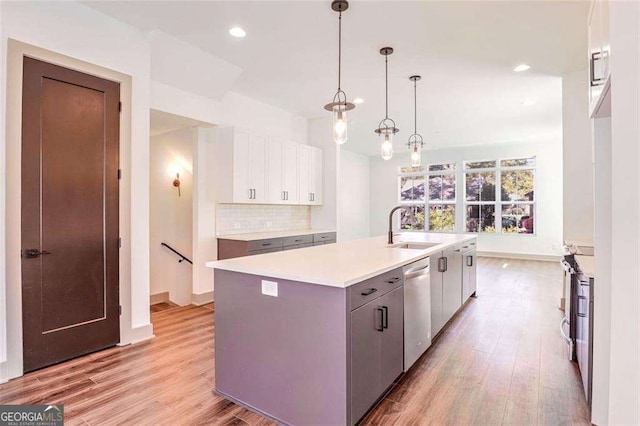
(415, 246)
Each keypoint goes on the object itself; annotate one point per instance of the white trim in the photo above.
(4, 372)
(522, 256)
(202, 298)
(139, 334)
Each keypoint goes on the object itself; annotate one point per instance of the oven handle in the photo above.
(567, 267)
(565, 320)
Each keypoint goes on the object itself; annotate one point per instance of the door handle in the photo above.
(381, 327)
(369, 292)
(441, 264)
(469, 261)
(385, 317)
(32, 253)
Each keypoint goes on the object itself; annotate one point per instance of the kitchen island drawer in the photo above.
(296, 240)
(368, 290)
(326, 236)
(265, 250)
(264, 244)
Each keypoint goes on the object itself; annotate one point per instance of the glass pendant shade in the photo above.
(415, 157)
(386, 149)
(340, 127)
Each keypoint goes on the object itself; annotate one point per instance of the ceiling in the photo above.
(164, 122)
(464, 50)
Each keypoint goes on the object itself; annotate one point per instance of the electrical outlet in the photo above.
(236, 225)
(270, 288)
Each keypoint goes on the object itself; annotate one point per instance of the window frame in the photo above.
(428, 203)
(499, 203)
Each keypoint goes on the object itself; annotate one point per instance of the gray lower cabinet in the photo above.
(229, 248)
(376, 350)
(452, 282)
(469, 268)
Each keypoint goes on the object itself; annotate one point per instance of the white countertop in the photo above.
(273, 234)
(587, 265)
(341, 264)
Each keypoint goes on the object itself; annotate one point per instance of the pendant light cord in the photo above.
(339, 48)
(415, 106)
(386, 86)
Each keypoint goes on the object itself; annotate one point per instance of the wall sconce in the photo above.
(176, 183)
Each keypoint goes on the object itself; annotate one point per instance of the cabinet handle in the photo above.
(282, 196)
(381, 327)
(595, 56)
(469, 261)
(250, 192)
(310, 199)
(385, 317)
(286, 194)
(457, 251)
(393, 280)
(254, 194)
(369, 292)
(441, 264)
(313, 196)
(266, 244)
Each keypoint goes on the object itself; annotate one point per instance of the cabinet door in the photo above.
(452, 283)
(290, 173)
(437, 320)
(241, 168)
(392, 338)
(473, 272)
(275, 191)
(315, 177)
(366, 357)
(258, 168)
(304, 175)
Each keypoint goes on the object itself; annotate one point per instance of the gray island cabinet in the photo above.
(304, 353)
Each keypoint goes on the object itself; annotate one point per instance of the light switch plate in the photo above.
(270, 288)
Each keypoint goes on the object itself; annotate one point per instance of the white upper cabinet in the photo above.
(310, 175)
(256, 169)
(599, 53)
(249, 168)
(282, 172)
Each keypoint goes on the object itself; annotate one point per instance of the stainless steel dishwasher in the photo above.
(417, 311)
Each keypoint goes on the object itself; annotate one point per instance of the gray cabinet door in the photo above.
(366, 357)
(437, 320)
(452, 283)
(392, 338)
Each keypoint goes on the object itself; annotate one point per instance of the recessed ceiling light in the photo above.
(528, 102)
(237, 32)
(358, 100)
(521, 67)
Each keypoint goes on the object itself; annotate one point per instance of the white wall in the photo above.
(326, 215)
(577, 157)
(170, 215)
(248, 218)
(353, 196)
(548, 235)
(3, 301)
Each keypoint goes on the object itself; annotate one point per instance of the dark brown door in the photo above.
(70, 127)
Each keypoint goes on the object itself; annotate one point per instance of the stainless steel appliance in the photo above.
(417, 311)
(578, 320)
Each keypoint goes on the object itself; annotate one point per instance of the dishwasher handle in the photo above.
(413, 273)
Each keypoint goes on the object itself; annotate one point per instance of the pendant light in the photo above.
(416, 142)
(339, 106)
(387, 127)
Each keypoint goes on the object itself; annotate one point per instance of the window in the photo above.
(440, 180)
(412, 192)
(442, 197)
(511, 211)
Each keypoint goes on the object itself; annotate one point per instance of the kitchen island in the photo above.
(315, 335)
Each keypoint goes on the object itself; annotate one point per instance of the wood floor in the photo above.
(501, 361)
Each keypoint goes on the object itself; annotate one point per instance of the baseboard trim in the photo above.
(521, 256)
(139, 334)
(202, 298)
(4, 372)
(159, 298)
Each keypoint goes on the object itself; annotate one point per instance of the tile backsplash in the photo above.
(246, 218)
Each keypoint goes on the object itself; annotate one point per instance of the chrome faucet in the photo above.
(393, 210)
